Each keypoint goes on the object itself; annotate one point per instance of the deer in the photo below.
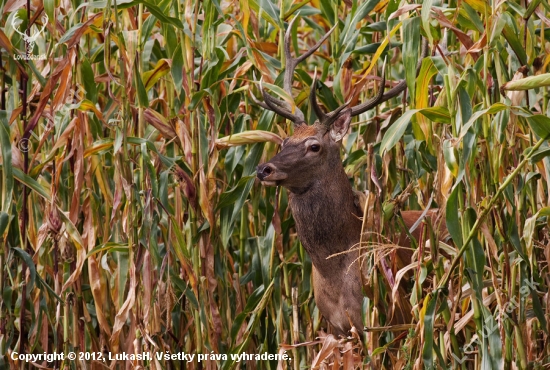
(327, 214)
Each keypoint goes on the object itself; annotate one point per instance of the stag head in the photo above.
(311, 151)
(30, 40)
(305, 155)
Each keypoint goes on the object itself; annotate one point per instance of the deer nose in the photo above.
(264, 170)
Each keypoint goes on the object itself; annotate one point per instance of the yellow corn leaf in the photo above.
(527, 83)
(248, 137)
(150, 78)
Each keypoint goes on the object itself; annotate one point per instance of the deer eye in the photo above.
(315, 147)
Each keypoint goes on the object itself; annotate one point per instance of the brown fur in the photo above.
(304, 131)
(327, 219)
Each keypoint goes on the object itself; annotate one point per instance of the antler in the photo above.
(281, 107)
(29, 40)
(44, 24)
(16, 27)
(328, 118)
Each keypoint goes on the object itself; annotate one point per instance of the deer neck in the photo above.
(327, 219)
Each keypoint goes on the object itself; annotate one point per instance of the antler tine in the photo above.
(332, 116)
(45, 23)
(393, 92)
(281, 107)
(16, 28)
(373, 102)
(325, 119)
(260, 103)
(291, 62)
(313, 100)
(278, 106)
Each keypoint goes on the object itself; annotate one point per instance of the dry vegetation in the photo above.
(131, 220)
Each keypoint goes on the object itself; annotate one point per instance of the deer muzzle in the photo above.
(269, 175)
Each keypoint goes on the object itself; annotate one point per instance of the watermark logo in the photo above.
(490, 324)
(29, 40)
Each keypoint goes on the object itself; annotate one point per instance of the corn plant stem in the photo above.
(124, 157)
(2, 245)
(439, 269)
(286, 281)
(292, 300)
(451, 100)
(282, 33)
(295, 328)
(75, 322)
(272, 257)
(195, 147)
(24, 210)
(141, 121)
(2, 86)
(57, 286)
(520, 349)
(140, 133)
(477, 317)
(193, 227)
(66, 324)
(545, 94)
(508, 342)
(242, 240)
(133, 243)
(2, 314)
(442, 350)
(480, 219)
(288, 291)
(507, 281)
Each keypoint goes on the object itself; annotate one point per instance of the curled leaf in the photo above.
(248, 137)
(527, 83)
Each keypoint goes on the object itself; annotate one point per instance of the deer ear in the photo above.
(340, 126)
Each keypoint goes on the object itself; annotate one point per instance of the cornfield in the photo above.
(134, 233)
